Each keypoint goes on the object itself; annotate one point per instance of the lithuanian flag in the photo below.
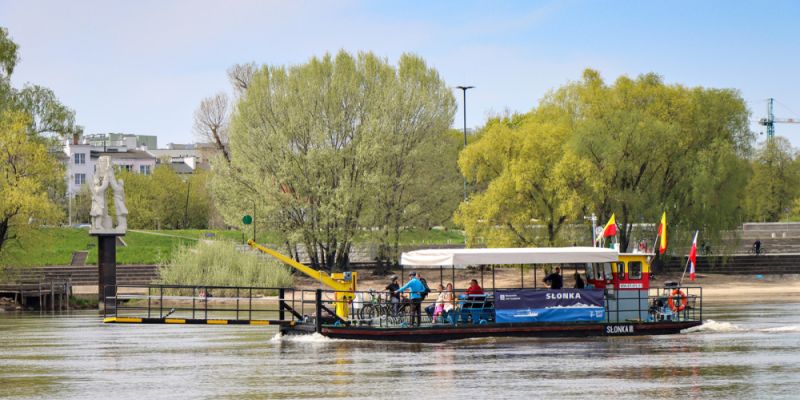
(611, 227)
(662, 232)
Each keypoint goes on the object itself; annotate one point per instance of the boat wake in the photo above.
(713, 326)
(722, 327)
(782, 329)
(310, 338)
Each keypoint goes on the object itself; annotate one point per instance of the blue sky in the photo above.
(143, 67)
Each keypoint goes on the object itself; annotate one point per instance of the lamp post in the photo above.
(464, 91)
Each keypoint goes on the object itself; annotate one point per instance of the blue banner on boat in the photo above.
(561, 305)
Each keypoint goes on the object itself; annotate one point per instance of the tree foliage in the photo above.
(634, 148)
(32, 184)
(163, 200)
(27, 172)
(775, 181)
(336, 145)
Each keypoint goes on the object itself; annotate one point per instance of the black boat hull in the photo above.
(443, 333)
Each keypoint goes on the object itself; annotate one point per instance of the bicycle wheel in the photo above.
(367, 312)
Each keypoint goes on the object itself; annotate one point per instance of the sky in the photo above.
(144, 66)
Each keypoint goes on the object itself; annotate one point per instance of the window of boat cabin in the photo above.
(635, 270)
(621, 270)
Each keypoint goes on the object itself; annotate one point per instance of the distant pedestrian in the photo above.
(555, 280)
(757, 247)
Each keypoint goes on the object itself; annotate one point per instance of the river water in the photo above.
(748, 352)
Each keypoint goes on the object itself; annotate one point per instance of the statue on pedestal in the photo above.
(101, 221)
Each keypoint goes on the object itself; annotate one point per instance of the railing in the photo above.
(203, 302)
(369, 308)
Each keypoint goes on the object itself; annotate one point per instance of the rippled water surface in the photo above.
(741, 352)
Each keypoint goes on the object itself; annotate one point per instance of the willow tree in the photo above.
(634, 148)
(774, 183)
(656, 147)
(318, 148)
(531, 178)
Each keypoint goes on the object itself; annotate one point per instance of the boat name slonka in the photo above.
(619, 329)
(560, 296)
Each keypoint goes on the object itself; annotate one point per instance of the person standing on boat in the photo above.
(555, 280)
(394, 295)
(415, 288)
(579, 284)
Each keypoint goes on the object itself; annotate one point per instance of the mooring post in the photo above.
(107, 265)
(281, 303)
(318, 304)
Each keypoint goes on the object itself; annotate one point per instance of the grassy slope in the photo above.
(54, 246)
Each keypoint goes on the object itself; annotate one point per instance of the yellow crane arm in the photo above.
(320, 276)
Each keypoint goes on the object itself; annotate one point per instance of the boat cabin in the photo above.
(624, 278)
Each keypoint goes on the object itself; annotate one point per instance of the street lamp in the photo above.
(464, 91)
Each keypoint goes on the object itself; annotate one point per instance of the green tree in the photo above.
(634, 148)
(309, 145)
(531, 178)
(32, 184)
(27, 171)
(163, 200)
(773, 185)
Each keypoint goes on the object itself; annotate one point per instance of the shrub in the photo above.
(219, 263)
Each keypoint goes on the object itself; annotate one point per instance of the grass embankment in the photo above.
(54, 246)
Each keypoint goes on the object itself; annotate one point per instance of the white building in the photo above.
(81, 160)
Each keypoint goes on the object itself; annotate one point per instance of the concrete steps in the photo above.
(739, 264)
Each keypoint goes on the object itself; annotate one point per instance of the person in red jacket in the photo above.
(474, 288)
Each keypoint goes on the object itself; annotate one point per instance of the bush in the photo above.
(218, 263)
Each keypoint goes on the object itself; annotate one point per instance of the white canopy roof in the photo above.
(538, 255)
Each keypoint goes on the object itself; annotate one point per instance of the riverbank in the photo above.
(717, 289)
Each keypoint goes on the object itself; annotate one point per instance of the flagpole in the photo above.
(684, 271)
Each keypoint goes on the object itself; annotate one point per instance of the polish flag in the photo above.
(693, 257)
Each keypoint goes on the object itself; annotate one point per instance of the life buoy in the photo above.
(682, 305)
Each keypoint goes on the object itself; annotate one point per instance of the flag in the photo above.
(611, 227)
(662, 232)
(693, 257)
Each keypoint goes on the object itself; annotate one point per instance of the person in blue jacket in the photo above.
(416, 288)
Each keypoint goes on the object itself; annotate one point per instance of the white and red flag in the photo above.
(693, 257)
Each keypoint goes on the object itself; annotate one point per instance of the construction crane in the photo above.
(770, 121)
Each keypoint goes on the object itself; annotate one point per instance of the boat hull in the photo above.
(433, 334)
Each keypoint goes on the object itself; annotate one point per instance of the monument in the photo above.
(103, 227)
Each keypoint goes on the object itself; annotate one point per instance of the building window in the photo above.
(634, 270)
(80, 179)
(80, 158)
(144, 169)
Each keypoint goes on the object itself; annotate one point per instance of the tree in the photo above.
(27, 171)
(774, 183)
(531, 178)
(211, 122)
(32, 179)
(634, 148)
(415, 180)
(309, 143)
(163, 200)
(652, 144)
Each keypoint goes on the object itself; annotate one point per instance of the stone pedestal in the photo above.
(107, 268)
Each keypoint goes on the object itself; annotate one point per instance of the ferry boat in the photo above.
(617, 300)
